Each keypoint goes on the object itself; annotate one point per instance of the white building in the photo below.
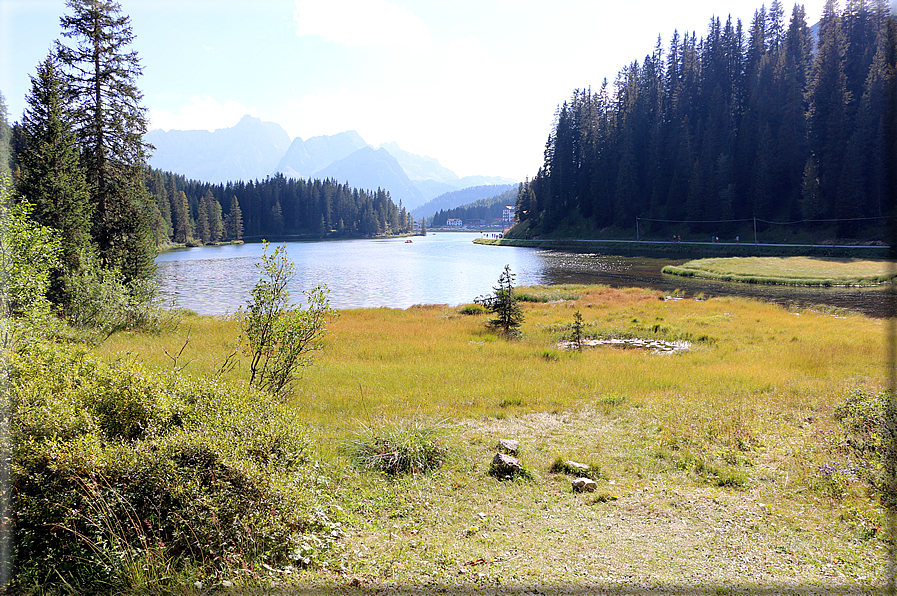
(508, 215)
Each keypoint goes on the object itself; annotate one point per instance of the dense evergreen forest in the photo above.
(191, 212)
(489, 210)
(771, 123)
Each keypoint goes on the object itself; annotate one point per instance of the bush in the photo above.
(404, 447)
(281, 337)
(102, 303)
(473, 309)
(116, 469)
(862, 415)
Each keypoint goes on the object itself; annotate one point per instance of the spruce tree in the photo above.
(202, 221)
(100, 72)
(233, 223)
(51, 177)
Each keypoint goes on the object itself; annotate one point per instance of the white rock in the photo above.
(584, 485)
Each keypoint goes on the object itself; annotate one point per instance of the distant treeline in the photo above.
(489, 210)
(772, 124)
(192, 212)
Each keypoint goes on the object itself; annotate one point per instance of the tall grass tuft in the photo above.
(402, 447)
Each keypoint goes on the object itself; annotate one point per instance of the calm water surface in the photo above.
(442, 268)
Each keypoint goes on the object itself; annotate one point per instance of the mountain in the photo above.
(459, 198)
(370, 169)
(250, 150)
(419, 167)
(304, 158)
(254, 150)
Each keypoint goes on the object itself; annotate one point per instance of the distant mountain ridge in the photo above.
(254, 149)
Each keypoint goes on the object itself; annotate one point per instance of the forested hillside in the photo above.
(191, 212)
(489, 210)
(768, 123)
(458, 198)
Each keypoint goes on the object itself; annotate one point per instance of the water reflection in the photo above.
(444, 268)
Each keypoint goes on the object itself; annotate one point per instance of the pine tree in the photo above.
(51, 177)
(183, 228)
(234, 221)
(100, 72)
(202, 221)
(216, 224)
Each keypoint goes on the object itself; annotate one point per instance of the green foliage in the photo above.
(116, 469)
(281, 337)
(404, 447)
(862, 415)
(102, 302)
(100, 72)
(503, 304)
(472, 309)
(548, 293)
(51, 177)
(28, 253)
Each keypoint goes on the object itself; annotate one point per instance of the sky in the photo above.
(472, 83)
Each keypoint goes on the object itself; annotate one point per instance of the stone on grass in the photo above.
(505, 464)
(508, 446)
(584, 485)
(575, 465)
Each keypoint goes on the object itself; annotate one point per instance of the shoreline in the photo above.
(690, 250)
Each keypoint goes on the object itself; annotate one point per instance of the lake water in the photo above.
(442, 268)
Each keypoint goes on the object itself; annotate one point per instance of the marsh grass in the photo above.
(411, 446)
(787, 270)
(723, 444)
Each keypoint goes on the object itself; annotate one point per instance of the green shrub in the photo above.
(473, 309)
(102, 302)
(116, 468)
(280, 338)
(403, 447)
(862, 415)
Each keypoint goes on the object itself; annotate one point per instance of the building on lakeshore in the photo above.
(454, 222)
(508, 215)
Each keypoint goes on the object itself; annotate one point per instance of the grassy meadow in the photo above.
(806, 271)
(719, 468)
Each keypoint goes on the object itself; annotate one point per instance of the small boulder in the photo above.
(575, 465)
(581, 485)
(508, 446)
(505, 464)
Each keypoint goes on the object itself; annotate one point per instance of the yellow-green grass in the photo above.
(709, 458)
(806, 271)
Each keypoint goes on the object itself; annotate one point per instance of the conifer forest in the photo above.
(778, 122)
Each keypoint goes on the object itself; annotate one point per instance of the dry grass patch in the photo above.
(710, 459)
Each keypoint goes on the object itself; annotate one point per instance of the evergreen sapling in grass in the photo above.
(503, 304)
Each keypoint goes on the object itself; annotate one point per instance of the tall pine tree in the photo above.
(100, 71)
(51, 177)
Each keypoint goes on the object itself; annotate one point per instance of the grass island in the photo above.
(798, 271)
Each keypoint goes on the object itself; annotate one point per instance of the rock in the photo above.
(508, 446)
(575, 465)
(505, 464)
(584, 485)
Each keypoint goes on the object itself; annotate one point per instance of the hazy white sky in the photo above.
(473, 83)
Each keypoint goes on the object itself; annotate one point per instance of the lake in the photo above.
(442, 268)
